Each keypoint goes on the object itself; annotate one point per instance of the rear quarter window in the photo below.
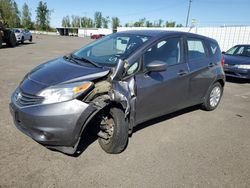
(196, 49)
(214, 49)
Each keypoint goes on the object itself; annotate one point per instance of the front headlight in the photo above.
(242, 66)
(64, 92)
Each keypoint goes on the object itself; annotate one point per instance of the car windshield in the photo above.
(243, 50)
(108, 50)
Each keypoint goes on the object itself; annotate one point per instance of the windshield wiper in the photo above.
(69, 57)
(83, 59)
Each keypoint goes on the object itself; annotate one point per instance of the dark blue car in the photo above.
(237, 61)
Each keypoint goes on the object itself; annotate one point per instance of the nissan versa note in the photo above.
(116, 83)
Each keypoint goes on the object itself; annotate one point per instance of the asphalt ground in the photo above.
(190, 148)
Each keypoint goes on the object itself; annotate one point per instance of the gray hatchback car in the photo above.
(116, 83)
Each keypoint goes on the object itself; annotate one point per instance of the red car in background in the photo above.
(97, 36)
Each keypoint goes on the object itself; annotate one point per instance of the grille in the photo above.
(24, 99)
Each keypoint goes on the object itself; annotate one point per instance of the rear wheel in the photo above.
(113, 135)
(22, 40)
(11, 41)
(213, 97)
(1, 40)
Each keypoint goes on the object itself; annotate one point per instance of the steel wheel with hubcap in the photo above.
(113, 134)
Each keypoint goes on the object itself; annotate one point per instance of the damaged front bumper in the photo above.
(57, 126)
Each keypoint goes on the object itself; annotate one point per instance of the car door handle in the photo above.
(211, 65)
(182, 73)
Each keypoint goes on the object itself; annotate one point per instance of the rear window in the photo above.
(196, 49)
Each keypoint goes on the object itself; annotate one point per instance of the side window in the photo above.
(167, 51)
(239, 50)
(196, 49)
(133, 68)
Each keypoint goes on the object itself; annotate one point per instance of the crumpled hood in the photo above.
(59, 71)
(232, 60)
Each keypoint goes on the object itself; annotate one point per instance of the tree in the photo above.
(179, 25)
(76, 21)
(158, 23)
(98, 19)
(140, 23)
(115, 23)
(87, 22)
(43, 16)
(105, 21)
(26, 17)
(66, 21)
(84, 22)
(90, 23)
(10, 13)
(170, 24)
(126, 25)
(149, 24)
(16, 15)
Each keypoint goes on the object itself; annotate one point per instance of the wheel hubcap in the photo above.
(215, 96)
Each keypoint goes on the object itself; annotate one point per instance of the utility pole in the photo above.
(189, 7)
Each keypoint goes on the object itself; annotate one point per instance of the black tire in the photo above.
(211, 104)
(22, 40)
(119, 139)
(1, 41)
(30, 39)
(11, 41)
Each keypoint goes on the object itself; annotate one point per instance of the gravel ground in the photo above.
(190, 148)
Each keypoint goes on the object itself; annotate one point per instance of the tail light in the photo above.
(222, 60)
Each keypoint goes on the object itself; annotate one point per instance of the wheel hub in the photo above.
(107, 128)
(215, 96)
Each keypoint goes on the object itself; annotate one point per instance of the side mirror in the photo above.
(223, 52)
(156, 66)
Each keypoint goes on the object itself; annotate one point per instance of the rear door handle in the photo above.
(182, 73)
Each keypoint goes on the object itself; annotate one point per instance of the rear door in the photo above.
(161, 92)
(201, 69)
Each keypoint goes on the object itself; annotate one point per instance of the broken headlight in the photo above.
(64, 92)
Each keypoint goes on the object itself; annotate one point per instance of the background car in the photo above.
(237, 61)
(97, 36)
(23, 35)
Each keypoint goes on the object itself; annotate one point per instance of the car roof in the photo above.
(245, 45)
(162, 33)
(149, 32)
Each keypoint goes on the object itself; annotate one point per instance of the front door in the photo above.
(161, 92)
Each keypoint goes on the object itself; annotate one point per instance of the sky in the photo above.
(205, 12)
